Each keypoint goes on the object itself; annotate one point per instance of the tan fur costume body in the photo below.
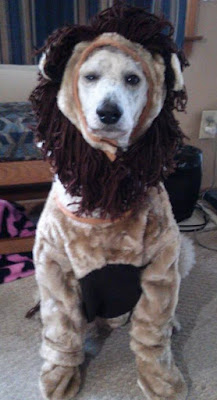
(65, 251)
(71, 245)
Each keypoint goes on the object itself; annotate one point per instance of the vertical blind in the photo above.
(25, 24)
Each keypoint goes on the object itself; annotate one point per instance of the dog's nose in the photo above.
(109, 113)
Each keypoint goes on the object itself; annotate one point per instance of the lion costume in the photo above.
(107, 243)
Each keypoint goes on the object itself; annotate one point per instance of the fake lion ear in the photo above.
(58, 49)
(48, 69)
(41, 66)
(176, 67)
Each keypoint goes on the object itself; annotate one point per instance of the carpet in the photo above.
(111, 373)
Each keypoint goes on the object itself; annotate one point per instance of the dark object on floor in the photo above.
(33, 311)
(211, 197)
(183, 186)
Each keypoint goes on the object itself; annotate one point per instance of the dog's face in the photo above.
(113, 92)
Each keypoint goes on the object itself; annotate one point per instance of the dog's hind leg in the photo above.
(152, 324)
(63, 325)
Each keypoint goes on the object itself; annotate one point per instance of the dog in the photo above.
(107, 245)
(113, 93)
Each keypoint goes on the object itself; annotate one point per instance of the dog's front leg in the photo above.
(152, 324)
(63, 325)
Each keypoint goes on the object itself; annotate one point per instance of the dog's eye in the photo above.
(91, 77)
(132, 79)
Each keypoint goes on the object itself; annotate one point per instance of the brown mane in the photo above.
(84, 171)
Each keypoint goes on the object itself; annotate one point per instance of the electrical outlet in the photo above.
(208, 125)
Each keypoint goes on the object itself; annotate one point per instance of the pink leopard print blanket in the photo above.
(14, 223)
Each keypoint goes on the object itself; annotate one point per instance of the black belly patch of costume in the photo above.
(111, 291)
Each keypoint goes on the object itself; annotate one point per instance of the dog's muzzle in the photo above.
(109, 113)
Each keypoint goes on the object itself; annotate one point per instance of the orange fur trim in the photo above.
(90, 221)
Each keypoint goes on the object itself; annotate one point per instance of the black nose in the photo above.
(109, 113)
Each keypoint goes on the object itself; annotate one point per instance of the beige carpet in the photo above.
(111, 373)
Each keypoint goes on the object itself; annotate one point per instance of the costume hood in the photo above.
(153, 68)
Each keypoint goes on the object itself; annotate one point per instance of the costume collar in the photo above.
(89, 220)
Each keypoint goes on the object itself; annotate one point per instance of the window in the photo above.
(25, 24)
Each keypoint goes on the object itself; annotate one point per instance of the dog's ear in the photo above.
(178, 84)
(58, 49)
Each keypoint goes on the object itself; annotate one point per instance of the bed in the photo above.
(24, 176)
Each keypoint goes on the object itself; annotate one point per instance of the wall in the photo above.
(17, 81)
(201, 82)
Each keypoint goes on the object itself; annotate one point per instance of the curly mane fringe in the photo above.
(115, 187)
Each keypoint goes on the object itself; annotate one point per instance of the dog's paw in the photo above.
(151, 396)
(159, 381)
(58, 382)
